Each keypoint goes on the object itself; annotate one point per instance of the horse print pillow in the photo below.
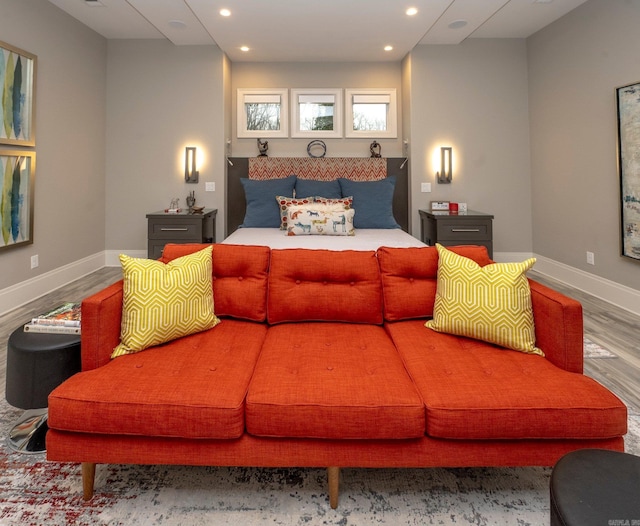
(320, 220)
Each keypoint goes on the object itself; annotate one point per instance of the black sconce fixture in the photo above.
(446, 165)
(190, 172)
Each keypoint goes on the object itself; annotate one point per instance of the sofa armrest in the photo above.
(101, 319)
(559, 327)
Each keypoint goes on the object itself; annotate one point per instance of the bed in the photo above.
(378, 188)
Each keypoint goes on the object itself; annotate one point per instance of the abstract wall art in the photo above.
(628, 100)
(17, 96)
(17, 176)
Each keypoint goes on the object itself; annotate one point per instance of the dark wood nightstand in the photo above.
(464, 228)
(182, 227)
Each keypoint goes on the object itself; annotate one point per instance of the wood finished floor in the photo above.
(613, 328)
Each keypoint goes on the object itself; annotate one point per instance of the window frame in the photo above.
(297, 94)
(266, 94)
(392, 114)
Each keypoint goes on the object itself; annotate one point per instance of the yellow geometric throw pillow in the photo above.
(490, 303)
(163, 302)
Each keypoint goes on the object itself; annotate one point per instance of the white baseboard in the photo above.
(607, 290)
(31, 289)
(112, 257)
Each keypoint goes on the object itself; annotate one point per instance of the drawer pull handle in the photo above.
(465, 230)
(181, 229)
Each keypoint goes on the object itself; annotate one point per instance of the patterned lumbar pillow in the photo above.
(317, 219)
(285, 202)
(163, 302)
(490, 303)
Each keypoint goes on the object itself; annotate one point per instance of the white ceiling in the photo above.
(315, 30)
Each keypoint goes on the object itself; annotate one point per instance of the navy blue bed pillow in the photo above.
(372, 201)
(329, 189)
(262, 208)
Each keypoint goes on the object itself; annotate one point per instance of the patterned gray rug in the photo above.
(36, 492)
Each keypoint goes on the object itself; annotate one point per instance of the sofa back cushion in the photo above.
(324, 285)
(409, 278)
(239, 277)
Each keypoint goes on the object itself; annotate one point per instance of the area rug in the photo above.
(593, 350)
(36, 492)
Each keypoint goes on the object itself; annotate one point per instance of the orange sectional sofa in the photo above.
(322, 359)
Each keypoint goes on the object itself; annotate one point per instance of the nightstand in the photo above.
(464, 228)
(182, 227)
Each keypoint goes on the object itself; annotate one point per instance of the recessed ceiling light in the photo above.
(388, 48)
(457, 24)
(411, 11)
(177, 24)
(93, 3)
(225, 12)
(244, 48)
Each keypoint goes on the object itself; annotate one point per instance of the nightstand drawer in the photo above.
(467, 230)
(182, 230)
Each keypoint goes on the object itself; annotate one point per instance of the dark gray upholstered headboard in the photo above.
(236, 204)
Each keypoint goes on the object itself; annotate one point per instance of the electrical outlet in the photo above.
(591, 259)
(209, 187)
(34, 261)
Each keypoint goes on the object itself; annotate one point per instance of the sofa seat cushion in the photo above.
(476, 390)
(332, 380)
(193, 387)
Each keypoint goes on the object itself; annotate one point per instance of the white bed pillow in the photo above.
(320, 220)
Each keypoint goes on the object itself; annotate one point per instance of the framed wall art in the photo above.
(17, 96)
(628, 103)
(17, 176)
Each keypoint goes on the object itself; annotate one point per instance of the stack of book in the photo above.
(64, 319)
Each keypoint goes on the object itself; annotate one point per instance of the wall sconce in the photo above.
(446, 165)
(190, 172)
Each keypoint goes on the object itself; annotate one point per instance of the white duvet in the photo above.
(364, 239)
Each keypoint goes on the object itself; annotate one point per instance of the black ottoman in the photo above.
(596, 487)
(36, 364)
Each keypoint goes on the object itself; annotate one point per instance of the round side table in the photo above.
(36, 364)
(595, 487)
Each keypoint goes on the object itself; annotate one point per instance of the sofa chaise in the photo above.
(322, 359)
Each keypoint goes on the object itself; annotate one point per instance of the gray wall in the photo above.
(574, 67)
(113, 119)
(316, 75)
(160, 99)
(70, 123)
(473, 97)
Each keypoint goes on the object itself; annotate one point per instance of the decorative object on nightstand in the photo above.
(191, 200)
(448, 228)
(174, 206)
(179, 227)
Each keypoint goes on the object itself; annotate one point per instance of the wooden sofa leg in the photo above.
(88, 478)
(333, 474)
